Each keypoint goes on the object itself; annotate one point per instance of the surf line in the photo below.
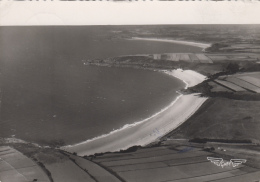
(137, 122)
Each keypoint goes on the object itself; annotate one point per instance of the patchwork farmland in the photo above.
(15, 167)
(172, 163)
(239, 82)
(204, 63)
(204, 58)
(229, 85)
(186, 57)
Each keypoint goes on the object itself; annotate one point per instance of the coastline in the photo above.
(150, 129)
(189, 77)
(196, 44)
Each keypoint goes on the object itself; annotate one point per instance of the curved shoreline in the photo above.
(196, 44)
(149, 129)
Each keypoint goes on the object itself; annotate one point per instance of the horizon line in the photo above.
(13, 25)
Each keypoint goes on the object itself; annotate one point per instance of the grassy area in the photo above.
(97, 172)
(14, 166)
(56, 165)
(222, 118)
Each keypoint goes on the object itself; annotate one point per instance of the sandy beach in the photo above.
(196, 44)
(189, 77)
(150, 129)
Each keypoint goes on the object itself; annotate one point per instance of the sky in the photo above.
(128, 12)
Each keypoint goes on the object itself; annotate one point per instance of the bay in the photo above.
(49, 96)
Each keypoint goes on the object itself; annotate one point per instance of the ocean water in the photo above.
(49, 96)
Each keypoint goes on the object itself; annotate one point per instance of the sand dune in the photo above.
(196, 44)
(151, 129)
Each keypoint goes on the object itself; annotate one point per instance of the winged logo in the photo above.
(220, 162)
(236, 162)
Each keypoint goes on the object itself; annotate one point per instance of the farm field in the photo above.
(243, 84)
(173, 162)
(207, 64)
(173, 57)
(229, 85)
(254, 81)
(15, 167)
(67, 171)
(98, 173)
(223, 57)
(186, 57)
(218, 88)
(218, 57)
(194, 58)
(52, 166)
(249, 74)
(240, 82)
(60, 166)
(205, 58)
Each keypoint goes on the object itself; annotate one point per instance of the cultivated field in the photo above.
(51, 165)
(186, 57)
(218, 88)
(241, 82)
(172, 162)
(244, 84)
(203, 58)
(98, 173)
(194, 58)
(250, 79)
(67, 171)
(15, 167)
(230, 86)
(60, 166)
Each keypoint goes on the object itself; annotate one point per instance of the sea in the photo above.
(49, 97)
